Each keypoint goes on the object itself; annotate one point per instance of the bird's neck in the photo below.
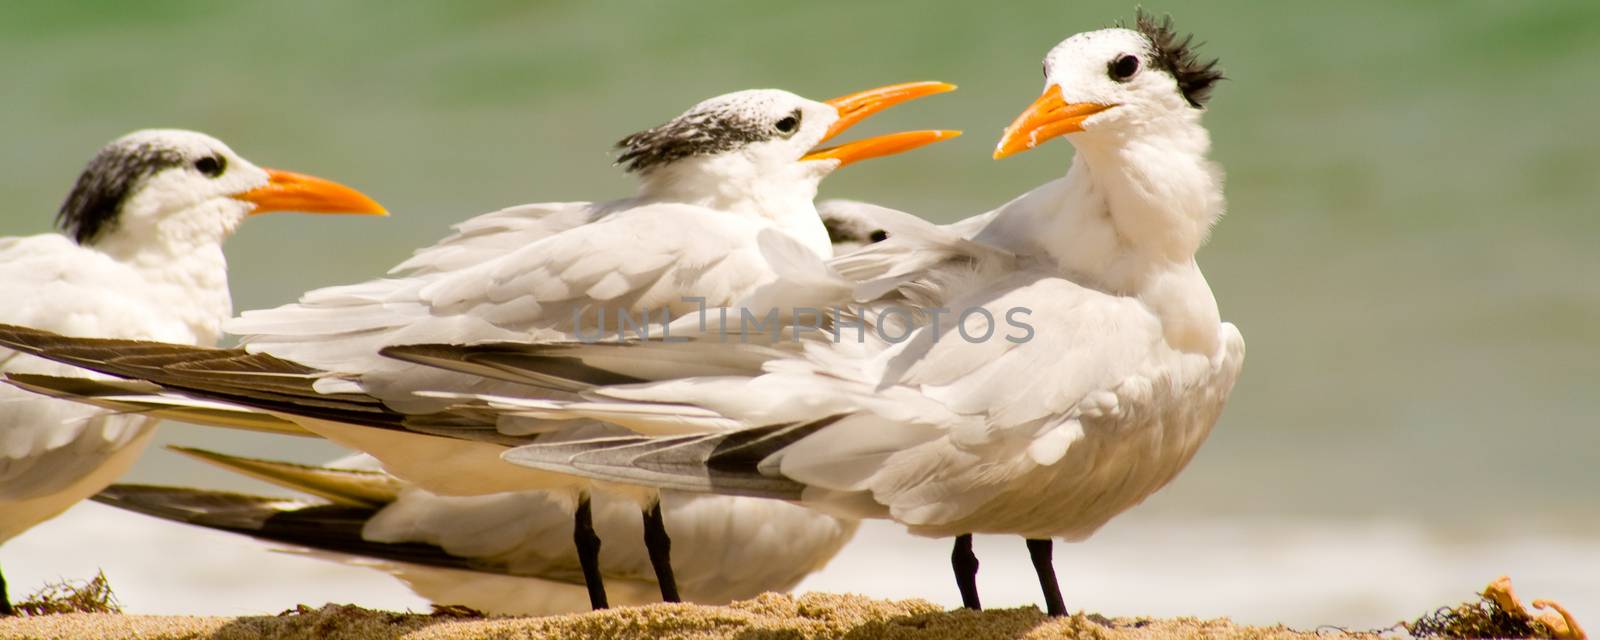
(1127, 219)
(181, 260)
(785, 198)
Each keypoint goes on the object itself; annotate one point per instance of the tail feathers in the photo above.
(732, 463)
(144, 398)
(346, 487)
(323, 527)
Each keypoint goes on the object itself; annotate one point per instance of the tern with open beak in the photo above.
(712, 180)
(141, 258)
(1080, 364)
(505, 553)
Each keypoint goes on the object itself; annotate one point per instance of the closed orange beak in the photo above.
(1048, 117)
(290, 191)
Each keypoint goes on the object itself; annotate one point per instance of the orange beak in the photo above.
(855, 107)
(859, 106)
(1048, 117)
(879, 146)
(290, 191)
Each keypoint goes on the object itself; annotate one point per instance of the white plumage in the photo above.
(546, 272)
(1118, 379)
(714, 180)
(148, 216)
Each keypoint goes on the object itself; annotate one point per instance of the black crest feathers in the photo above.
(694, 134)
(96, 199)
(1196, 77)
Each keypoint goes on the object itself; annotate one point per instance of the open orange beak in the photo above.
(290, 191)
(859, 106)
(879, 146)
(1048, 117)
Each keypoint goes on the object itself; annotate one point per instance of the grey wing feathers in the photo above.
(259, 381)
(530, 364)
(325, 527)
(143, 398)
(578, 366)
(731, 463)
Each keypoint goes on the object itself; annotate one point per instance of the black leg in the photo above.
(660, 548)
(5, 602)
(1040, 551)
(966, 567)
(588, 544)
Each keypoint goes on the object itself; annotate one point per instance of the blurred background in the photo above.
(1409, 251)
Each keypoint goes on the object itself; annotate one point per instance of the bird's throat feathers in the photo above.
(1127, 219)
(179, 254)
(1161, 191)
(1128, 206)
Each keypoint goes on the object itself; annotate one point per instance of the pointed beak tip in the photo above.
(1005, 148)
(371, 207)
(290, 191)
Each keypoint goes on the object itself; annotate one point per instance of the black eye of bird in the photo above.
(878, 235)
(211, 166)
(1124, 67)
(789, 124)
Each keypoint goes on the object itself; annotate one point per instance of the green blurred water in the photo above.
(1413, 187)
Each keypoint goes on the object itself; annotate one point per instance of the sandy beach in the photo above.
(91, 610)
(768, 616)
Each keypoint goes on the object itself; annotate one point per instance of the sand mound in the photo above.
(769, 616)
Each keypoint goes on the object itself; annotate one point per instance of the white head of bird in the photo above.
(163, 194)
(1117, 83)
(755, 151)
(1130, 101)
(161, 201)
